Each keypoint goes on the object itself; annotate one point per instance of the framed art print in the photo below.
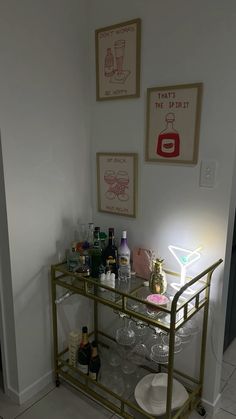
(117, 183)
(173, 123)
(118, 60)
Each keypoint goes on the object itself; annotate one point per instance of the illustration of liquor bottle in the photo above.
(168, 142)
(109, 64)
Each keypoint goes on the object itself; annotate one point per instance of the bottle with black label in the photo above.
(95, 362)
(96, 254)
(109, 255)
(84, 352)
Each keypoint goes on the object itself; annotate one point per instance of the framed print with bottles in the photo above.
(118, 60)
(173, 123)
(117, 183)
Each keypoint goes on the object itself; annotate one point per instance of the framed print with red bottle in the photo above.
(173, 123)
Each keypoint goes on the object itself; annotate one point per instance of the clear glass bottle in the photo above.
(124, 258)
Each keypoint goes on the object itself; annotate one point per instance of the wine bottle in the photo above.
(109, 255)
(96, 254)
(95, 362)
(84, 351)
(124, 257)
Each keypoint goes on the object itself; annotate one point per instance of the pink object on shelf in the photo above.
(158, 299)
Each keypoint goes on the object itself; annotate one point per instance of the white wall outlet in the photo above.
(208, 173)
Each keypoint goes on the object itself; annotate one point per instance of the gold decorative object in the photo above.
(157, 282)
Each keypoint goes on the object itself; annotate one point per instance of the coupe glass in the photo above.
(178, 343)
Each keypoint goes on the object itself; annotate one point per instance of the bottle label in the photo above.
(124, 260)
(83, 368)
(93, 375)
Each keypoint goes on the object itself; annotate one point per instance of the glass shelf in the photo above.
(130, 297)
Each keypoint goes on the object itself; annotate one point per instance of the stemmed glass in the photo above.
(125, 337)
(140, 351)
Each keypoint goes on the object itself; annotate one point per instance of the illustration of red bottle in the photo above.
(168, 142)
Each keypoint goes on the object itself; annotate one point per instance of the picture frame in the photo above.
(117, 175)
(173, 123)
(118, 60)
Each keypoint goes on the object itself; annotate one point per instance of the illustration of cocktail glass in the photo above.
(110, 179)
(122, 178)
(119, 55)
(185, 258)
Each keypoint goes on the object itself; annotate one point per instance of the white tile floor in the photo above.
(67, 403)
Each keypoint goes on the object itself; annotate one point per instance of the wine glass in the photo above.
(140, 351)
(178, 343)
(125, 337)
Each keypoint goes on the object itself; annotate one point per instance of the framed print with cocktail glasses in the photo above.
(173, 123)
(117, 183)
(118, 60)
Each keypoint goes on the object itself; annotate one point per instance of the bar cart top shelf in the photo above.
(130, 297)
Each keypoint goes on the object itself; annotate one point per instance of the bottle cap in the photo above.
(124, 234)
(84, 329)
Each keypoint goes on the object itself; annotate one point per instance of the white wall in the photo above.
(182, 42)
(44, 122)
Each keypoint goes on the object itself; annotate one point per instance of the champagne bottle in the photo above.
(124, 257)
(109, 255)
(95, 362)
(84, 351)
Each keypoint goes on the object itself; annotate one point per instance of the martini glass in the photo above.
(185, 258)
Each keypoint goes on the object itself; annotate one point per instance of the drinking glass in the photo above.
(140, 351)
(125, 337)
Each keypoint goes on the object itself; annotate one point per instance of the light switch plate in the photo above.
(208, 173)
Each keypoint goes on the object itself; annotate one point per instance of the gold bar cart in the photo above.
(179, 311)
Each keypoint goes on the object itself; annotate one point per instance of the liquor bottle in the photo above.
(95, 362)
(96, 254)
(73, 258)
(109, 255)
(84, 351)
(168, 143)
(83, 268)
(90, 234)
(124, 258)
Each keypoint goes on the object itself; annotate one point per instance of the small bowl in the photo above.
(157, 299)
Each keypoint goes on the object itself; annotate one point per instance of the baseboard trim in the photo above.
(212, 408)
(31, 390)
